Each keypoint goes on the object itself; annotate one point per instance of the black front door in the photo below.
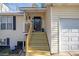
(37, 23)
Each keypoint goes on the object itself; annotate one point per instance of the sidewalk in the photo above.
(71, 53)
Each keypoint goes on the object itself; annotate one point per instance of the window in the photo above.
(7, 23)
(10, 22)
(5, 42)
(3, 22)
(3, 26)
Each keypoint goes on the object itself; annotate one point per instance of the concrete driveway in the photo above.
(70, 53)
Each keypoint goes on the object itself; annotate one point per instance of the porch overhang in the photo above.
(32, 9)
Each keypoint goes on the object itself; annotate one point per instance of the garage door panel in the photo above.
(70, 23)
(74, 47)
(64, 43)
(64, 30)
(73, 34)
(73, 39)
(66, 34)
(65, 39)
(69, 47)
(69, 34)
(75, 30)
(64, 47)
(76, 39)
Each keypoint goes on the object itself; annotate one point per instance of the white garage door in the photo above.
(69, 34)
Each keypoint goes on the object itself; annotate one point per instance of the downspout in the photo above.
(24, 48)
(51, 5)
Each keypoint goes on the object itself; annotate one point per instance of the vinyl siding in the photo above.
(59, 12)
(14, 35)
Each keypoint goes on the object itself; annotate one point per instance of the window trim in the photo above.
(6, 22)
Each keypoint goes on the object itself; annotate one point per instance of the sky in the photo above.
(13, 6)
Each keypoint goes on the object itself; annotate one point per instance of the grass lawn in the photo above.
(8, 52)
(4, 52)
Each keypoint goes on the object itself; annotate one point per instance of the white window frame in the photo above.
(11, 19)
(6, 22)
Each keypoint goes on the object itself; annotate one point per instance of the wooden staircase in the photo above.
(38, 45)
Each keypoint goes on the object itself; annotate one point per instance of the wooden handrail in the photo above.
(28, 38)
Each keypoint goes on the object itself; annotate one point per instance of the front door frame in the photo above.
(37, 17)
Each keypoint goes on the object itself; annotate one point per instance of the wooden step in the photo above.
(36, 38)
(41, 49)
(38, 32)
(39, 53)
(38, 47)
(40, 36)
(39, 44)
(38, 41)
(35, 52)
